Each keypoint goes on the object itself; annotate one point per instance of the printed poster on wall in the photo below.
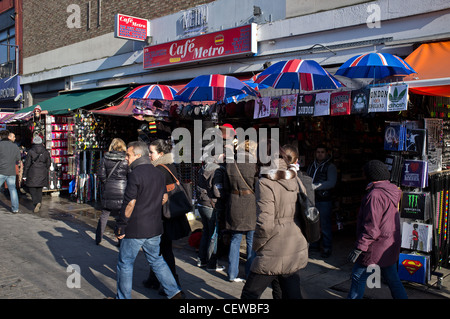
(262, 108)
(435, 135)
(275, 106)
(398, 98)
(360, 101)
(378, 99)
(288, 105)
(322, 104)
(340, 103)
(305, 104)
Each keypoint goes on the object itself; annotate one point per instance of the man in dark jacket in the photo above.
(378, 233)
(9, 157)
(324, 175)
(140, 223)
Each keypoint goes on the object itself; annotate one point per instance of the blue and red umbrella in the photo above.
(305, 75)
(153, 92)
(214, 87)
(374, 65)
(251, 83)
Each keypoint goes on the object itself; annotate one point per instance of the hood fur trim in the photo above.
(279, 174)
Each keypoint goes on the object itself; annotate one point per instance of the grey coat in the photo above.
(278, 241)
(241, 210)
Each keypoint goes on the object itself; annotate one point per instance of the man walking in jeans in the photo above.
(9, 157)
(140, 223)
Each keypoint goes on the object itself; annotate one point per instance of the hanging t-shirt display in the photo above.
(360, 101)
(305, 104)
(340, 103)
(322, 104)
(397, 98)
(378, 99)
(288, 105)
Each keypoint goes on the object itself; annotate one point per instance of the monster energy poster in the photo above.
(415, 206)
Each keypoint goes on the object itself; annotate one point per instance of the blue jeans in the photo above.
(389, 273)
(233, 256)
(129, 248)
(11, 182)
(209, 219)
(325, 210)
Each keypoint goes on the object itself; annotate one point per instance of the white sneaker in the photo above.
(217, 268)
(237, 280)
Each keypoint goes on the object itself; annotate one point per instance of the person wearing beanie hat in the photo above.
(376, 170)
(378, 233)
(35, 171)
(37, 140)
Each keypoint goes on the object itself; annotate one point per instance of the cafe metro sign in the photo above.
(131, 28)
(234, 42)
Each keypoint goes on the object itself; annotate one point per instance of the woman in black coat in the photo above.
(174, 228)
(113, 175)
(35, 171)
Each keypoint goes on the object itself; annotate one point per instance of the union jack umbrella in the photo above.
(374, 65)
(214, 87)
(153, 92)
(250, 83)
(305, 75)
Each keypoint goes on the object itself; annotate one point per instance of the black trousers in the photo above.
(36, 194)
(289, 286)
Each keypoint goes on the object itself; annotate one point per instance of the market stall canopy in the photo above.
(432, 64)
(8, 117)
(66, 102)
(124, 108)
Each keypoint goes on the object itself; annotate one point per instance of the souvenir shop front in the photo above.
(68, 131)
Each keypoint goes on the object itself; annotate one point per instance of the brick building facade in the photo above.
(46, 21)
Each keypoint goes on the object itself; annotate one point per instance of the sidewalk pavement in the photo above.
(37, 250)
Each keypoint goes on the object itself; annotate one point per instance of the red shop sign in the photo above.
(131, 28)
(225, 43)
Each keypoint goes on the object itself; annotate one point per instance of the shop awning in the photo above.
(66, 102)
(432, 63)
(125, 108)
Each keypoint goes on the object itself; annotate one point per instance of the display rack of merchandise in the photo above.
(59, 130)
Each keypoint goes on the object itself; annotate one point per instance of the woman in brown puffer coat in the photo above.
(281, 249)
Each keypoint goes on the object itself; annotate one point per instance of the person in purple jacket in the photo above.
(378, 233)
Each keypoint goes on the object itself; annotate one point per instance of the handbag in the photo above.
(308, 216)
(179, 202)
